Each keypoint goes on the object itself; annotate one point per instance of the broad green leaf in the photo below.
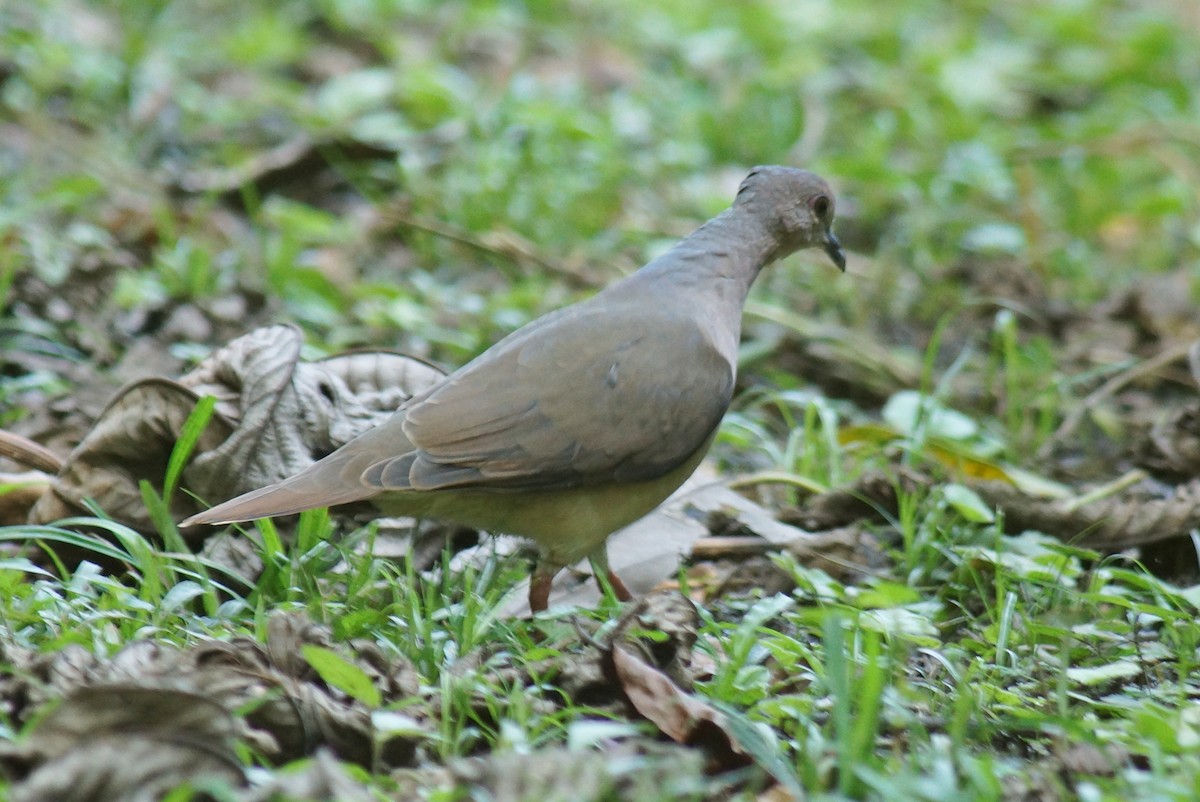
(342, 674)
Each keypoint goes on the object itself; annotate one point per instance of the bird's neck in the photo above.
(726, 253)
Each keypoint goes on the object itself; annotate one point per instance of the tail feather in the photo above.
(336, 479)
(278, 499)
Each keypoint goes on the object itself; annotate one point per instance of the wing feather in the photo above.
(590, 399)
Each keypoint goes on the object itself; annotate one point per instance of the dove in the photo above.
(585, 419)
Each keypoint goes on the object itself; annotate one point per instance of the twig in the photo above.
(1071, 422)
(775, 478)
(28, 453)
(1105, 491)
(514, 251)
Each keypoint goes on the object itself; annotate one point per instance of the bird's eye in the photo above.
(820, 206)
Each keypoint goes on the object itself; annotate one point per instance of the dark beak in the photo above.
(834, 249)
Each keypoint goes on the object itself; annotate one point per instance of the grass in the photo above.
(1002, 172)
(971, 670)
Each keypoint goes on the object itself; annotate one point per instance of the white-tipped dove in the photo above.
(584, 420)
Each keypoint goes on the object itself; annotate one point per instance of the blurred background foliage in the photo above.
(1019, 190)
(465, 166)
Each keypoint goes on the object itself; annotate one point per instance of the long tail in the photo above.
(336, 479)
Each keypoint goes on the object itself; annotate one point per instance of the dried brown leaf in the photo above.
(287, 711)
(114, 743)
(290, 413)
(1105, 524)
(662, 629)
(275, 416)
(683, 718)
(652, 662)
(294, 160)
(649, 771)
(1094, 759)
(322, 778)
(130, 441)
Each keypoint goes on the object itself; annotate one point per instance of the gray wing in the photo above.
(594, 395)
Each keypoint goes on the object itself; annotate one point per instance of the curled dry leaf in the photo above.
(626, 771)
(661, 629)
(290, 413)
(295, 160)
(322, 778)
(287, 635)
(1105, 524)
(275, 416)
(1094, 759)
(113, 743)
(35, 678)
(1172, 447)
(304, 717)
(682, 717)
(652, 661)
(651, 657)
(286, 712)
(132, 440)
(581, 673)
(237, 555)
(292, 706)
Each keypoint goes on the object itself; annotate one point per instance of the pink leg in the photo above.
(618, 586)
(599, 561)
(539, 586)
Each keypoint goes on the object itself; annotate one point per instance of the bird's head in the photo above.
(796, 207)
